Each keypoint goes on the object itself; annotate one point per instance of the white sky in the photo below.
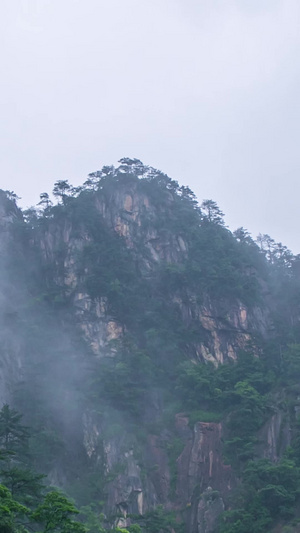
(207, 91)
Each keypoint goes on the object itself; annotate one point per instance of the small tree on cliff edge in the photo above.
(61, 190)
(212, 213)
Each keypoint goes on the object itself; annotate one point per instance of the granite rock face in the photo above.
(210, 507)
(139, 476)
(227, 328)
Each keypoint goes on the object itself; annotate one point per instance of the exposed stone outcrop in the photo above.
(210, 507)
(201, 470)
(225, 329)
(275, 436)
(138, 473)
(139, 482)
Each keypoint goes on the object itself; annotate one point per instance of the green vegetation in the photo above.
(270, 492)
(27, 503)
(240, 403)
(24, 498)
(149, 266)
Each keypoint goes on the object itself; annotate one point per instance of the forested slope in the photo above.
(150, 363)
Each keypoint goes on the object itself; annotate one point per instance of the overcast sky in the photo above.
(206, 90)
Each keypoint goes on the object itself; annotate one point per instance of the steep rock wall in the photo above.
(226, 327)
(139, 475)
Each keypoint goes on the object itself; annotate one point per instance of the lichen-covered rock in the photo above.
(201, 469)
(210, 507)
(275, 436)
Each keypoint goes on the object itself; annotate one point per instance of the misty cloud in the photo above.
(208, 92)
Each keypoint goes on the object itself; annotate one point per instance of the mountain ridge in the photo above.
(126, 299)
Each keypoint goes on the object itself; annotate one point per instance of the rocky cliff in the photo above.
(110, 292)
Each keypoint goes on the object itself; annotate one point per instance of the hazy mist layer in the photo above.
(206, 91)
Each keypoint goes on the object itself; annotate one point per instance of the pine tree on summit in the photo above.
(212, 212)
(61, 189)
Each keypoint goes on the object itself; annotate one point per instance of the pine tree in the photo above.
(13, 435)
